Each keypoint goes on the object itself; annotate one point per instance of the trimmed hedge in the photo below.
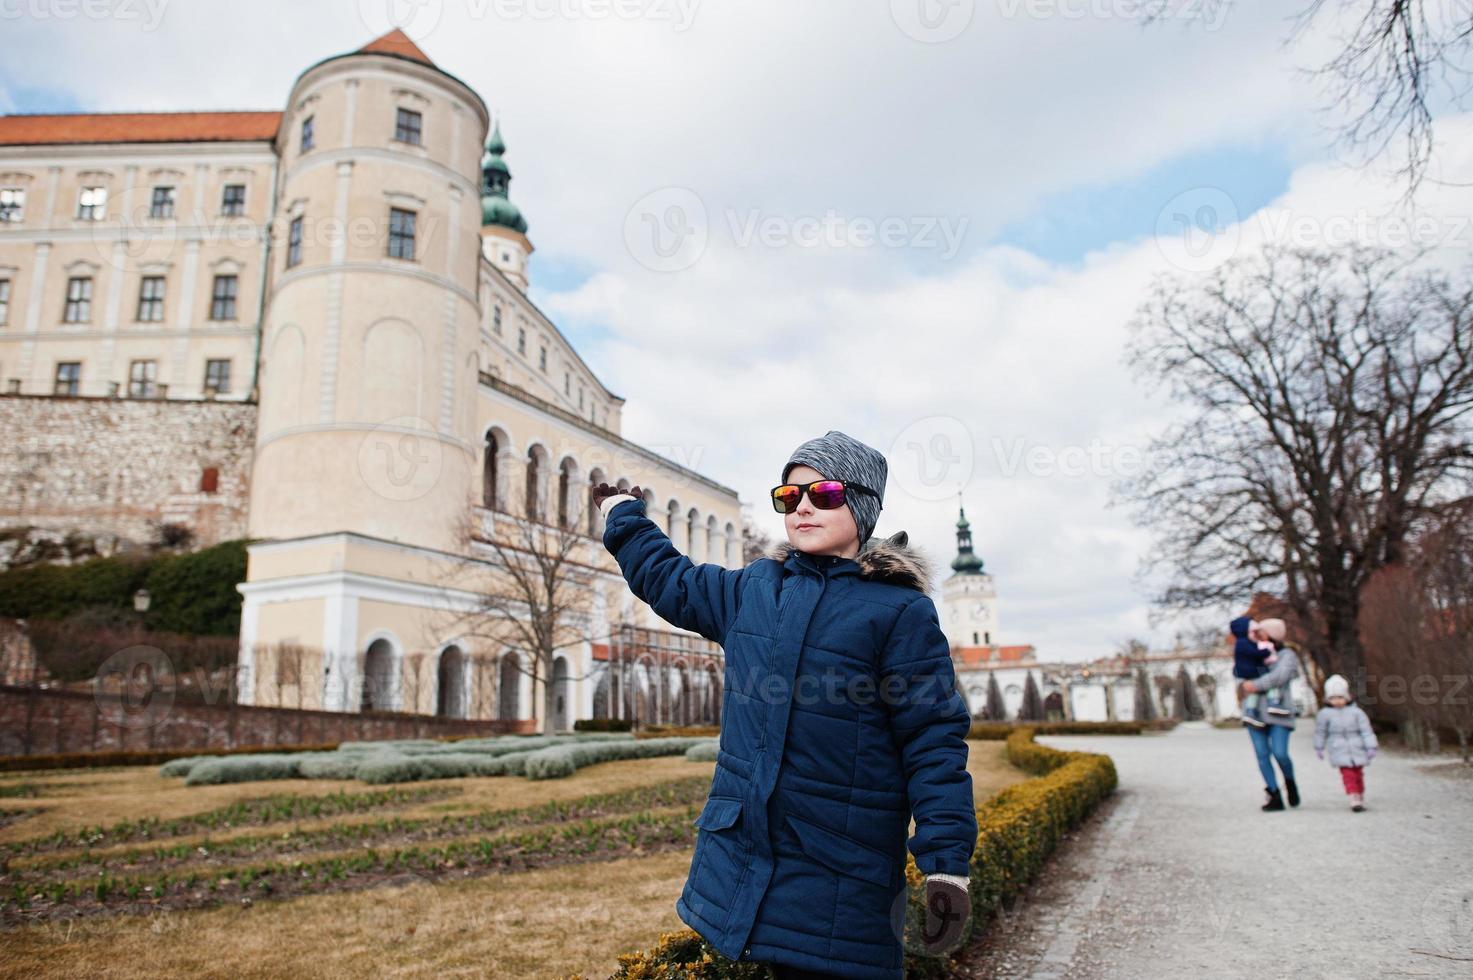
(1016, 831)
(141, 757)
(408, 760)
(679, 731)
(997, 731)
(563, 760)
(603, 725)
(704, 751)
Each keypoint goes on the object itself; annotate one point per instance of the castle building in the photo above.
(309, 327)
(969, 620)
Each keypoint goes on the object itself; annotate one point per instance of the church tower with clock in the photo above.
(968, 598)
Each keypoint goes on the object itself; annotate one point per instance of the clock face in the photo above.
(979, 611)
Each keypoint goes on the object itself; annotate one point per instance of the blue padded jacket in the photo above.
(840, 719)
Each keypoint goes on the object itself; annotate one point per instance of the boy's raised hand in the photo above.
(603, 492)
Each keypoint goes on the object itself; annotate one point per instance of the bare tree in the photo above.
(755, 543)
(1416, 622)
(1385, 72)
(1328, 401)
(534, 584)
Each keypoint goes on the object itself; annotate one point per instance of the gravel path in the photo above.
(1181, 875)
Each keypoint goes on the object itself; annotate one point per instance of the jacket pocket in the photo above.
(842, 853)
(719, 813)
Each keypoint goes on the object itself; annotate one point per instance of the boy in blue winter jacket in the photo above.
(840, 720)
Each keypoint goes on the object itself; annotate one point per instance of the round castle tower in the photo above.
(369, 373)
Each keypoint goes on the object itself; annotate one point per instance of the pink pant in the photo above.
(1354, 779)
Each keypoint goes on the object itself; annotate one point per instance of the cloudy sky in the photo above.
(923, 222)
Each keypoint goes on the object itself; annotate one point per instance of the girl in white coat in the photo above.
(1344, 730)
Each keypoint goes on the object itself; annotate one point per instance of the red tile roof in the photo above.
(993, 655)
(139, 127)
(398, 43)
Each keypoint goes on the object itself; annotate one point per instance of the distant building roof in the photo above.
(993, 656)
(138, 127)
(396, 42)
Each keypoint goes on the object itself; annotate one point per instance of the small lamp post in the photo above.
(140, 600)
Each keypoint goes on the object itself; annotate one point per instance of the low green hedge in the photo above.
(996, 731)
(407, 760)
(603, 725)
(1017, 830)
(139, 757)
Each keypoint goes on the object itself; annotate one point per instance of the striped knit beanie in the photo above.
(841, 457)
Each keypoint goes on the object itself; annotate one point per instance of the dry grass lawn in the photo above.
(88, 800)
(537, 924)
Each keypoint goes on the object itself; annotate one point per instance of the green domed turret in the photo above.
(966, 561)
(496, 207)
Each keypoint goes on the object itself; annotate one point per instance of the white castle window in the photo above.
(12, 204)
(92, 203)
(161, 205)
(78, 300)
(151, 299)
(401, 234)
(408, 125)
(232, 200)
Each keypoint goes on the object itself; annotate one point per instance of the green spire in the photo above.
(496, 207)
(965, 562)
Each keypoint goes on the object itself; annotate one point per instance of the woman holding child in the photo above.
(1270, 718)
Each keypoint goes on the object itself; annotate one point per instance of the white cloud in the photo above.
(744, 356)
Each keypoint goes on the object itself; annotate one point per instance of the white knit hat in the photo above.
(1337, 687)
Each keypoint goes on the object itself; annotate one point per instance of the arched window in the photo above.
(564, 485)
(488, 472)
(508, 704)
(450, 690)
(533, 503)
(595, 477)
(378, 677)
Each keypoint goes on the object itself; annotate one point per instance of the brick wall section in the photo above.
(68, 721)
(116, 465)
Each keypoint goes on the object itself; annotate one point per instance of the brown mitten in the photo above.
(948, 907)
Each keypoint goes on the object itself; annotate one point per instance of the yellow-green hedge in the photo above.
(996, 731)
(1016, 831)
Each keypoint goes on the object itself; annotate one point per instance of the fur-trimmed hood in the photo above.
(892, 560)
